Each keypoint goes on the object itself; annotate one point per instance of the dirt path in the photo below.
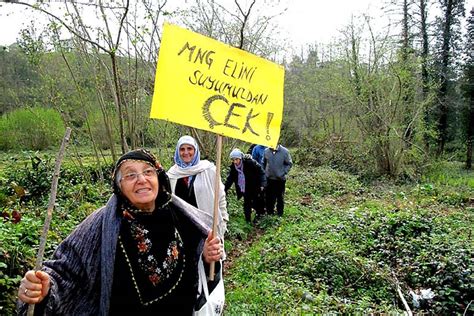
(240, 246)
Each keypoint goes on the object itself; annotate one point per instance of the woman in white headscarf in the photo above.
(193, 179)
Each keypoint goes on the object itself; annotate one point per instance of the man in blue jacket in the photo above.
(276, 163)
(258, 153)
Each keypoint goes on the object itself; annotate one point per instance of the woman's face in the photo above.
(186, 152)
(139, 184)
(236, 161)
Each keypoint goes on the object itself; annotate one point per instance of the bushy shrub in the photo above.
(34, 176)
(326, 181)
(337, 153)
(33, 129)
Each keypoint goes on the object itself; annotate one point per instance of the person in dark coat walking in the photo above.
(276, 163)
(249, 180)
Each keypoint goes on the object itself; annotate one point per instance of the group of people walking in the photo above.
(139, 253)
(260, 178)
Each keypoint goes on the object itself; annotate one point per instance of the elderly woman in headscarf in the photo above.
(136, 255)
(249, 179)
(193, 180)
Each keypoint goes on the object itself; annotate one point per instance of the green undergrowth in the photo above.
(342, 247)
(25, 185)
(450, 174)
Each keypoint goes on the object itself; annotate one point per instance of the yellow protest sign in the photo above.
(206, 84)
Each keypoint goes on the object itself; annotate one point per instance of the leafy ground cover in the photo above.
(342, 247)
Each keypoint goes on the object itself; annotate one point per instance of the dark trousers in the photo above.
(253, 201)
(275, 192)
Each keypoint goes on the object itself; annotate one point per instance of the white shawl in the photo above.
(205, 173)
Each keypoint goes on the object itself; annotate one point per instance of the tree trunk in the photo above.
(424, 64)
(407, 82)
(119, 100)
(470, 131)
(425, 49)
(405, 35)
(469, 73)
(443, 89)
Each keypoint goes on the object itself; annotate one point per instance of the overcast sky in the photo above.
(319, 21)
(305, 21)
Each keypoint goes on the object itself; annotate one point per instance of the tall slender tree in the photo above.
(449, 25)
(424, 54)
(407, 66)
(469, 88)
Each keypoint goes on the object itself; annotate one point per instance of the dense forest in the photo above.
(390, 105)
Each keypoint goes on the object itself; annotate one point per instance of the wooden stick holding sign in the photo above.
(49, 213)
(217, 183)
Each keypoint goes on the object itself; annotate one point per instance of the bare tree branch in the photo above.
(65, 25)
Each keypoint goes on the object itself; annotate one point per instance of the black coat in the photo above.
(254, 177)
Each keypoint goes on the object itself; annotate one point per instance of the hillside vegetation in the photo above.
(342, 246)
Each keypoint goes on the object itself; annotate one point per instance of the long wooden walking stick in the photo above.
(216, 199)
(49, 214)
